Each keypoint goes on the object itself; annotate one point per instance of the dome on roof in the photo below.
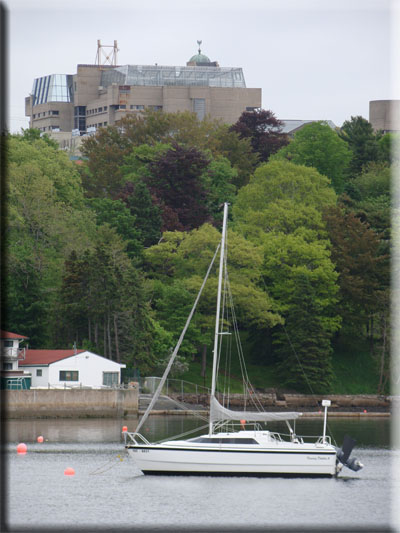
(199, 58)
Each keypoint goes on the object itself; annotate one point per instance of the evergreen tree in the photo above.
(138, 200)
(362, 141)
(303, 343)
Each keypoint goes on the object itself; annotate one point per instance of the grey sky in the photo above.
(313, 59)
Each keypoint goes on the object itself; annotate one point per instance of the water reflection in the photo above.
(368, 432)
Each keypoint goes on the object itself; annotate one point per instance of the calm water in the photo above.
(108, 492)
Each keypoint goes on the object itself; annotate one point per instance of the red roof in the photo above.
(9, 335)
(46, 357)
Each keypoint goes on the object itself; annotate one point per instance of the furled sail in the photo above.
(218, 413)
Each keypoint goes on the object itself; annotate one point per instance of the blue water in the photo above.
(107, 491)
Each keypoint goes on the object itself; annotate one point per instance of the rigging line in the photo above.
(252, 395)
(184, 408)
(183, 434)
(168, 368)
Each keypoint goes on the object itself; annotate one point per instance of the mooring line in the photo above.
(99, 470)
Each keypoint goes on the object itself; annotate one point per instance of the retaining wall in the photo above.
(300, 401)
(67, 403)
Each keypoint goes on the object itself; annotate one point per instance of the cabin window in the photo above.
(69, 375)
(7, 366)
(110, 379)
(8, 344)
(39, 372)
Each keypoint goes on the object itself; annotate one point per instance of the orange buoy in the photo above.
(40, 439)
(22, 448)
(124, 429)
(69, 471)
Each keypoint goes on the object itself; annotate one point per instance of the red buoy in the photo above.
(22, 448)
(40, 439)
(69, 471)
(124, 429)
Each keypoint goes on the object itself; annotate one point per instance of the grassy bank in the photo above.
(355, 372)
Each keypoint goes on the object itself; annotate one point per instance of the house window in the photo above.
(8, 344)
(110, 379)
(69, 375)
(7, 366)
(39, 372)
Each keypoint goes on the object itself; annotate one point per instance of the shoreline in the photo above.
(305, 414)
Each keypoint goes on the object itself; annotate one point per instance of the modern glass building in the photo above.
(101, 95)
(53, 88)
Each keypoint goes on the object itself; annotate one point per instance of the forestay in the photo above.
(219, 413)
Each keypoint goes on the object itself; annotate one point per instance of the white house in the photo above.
(11, 376)
(71, 368)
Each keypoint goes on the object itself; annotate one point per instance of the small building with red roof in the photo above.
(71, 368)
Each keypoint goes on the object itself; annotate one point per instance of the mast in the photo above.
(218, 311)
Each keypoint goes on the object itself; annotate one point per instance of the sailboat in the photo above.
(237, 442)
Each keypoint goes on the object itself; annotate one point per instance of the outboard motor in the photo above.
(344, 452)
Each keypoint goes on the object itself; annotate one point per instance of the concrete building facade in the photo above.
(100, 95)
(385, 115)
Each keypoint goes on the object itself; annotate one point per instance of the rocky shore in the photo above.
(274, 401)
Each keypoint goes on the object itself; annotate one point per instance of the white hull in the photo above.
(276, 458)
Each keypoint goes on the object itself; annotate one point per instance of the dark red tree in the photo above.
(263, 130)
(175, 182)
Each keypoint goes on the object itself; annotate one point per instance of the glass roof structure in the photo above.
(53, 88)
(177, 76)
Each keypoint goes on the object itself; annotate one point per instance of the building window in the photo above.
(100, 109)
(55, 112)
(110, 379)
(8, 344)
(105, 108)
(39, 372)
(122, 106)
(199, 107)
(137, 106)
(105, 123)
(69, 375)
(7, 366)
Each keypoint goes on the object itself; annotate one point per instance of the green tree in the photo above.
(318, 145)
(180, 262)
(45, 222)
(118, 216)
(113, 313)
(271, 211)
(362, 141)
(148, 221)
(363, 271)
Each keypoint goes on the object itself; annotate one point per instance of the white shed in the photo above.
(71, 368)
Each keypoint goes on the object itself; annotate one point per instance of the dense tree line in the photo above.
(110, 254)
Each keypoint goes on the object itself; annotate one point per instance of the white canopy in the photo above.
(218, 413)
